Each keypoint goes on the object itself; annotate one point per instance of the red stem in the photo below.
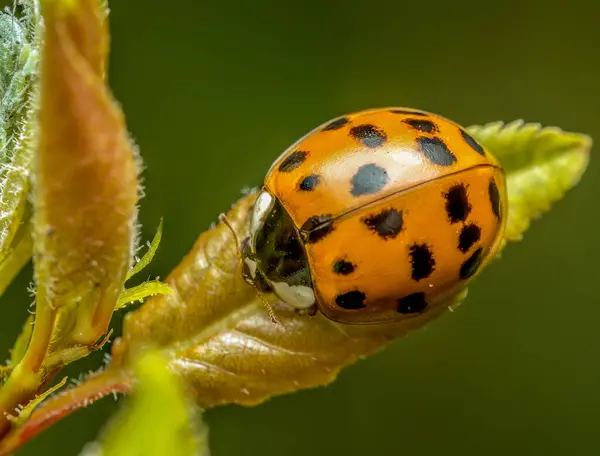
(58, 407)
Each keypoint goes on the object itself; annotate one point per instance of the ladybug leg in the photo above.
(310, 312)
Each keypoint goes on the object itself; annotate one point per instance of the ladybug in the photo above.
(376, 216)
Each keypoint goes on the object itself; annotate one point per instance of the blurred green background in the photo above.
(214, 91)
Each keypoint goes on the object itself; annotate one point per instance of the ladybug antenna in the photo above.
(223, 218)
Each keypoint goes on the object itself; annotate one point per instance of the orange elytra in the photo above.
(376, 216)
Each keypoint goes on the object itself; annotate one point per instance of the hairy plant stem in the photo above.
(27, 377)
(95, 387)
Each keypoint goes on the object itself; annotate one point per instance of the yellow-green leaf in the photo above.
(24, 413)
(149, 255)
(20, 346)
(16, 256)
(19, 61)
(541, 165)
(141, 291)
(219, 336)
(157, 419)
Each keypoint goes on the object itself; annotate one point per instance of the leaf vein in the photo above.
(206, 364)
(270, 345)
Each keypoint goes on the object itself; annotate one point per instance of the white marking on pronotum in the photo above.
(298, 296)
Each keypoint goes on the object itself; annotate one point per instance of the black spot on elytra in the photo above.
(292, 161)
(422, 261)
(413, 303)
(423, 125)
(472, 143)
(352, 300)
(343, 267)
(471, 265)
(320, 233)
(436, 151)
(369, 135)
(310, 182)
(469, 235)
(457, 203)
(315, 221)
(316, 228)
(368, 179)
(336, 124)
(408, 112)
(494, 198)
(387, 223)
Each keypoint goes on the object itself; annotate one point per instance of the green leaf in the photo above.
(157, 418)
(541, 165)
(16, 257)
(23, 413)
(20, 346)
(149, 255)
(18, 69)
(19, 51)
(139, 292)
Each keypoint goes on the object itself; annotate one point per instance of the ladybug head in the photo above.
(274, 255)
